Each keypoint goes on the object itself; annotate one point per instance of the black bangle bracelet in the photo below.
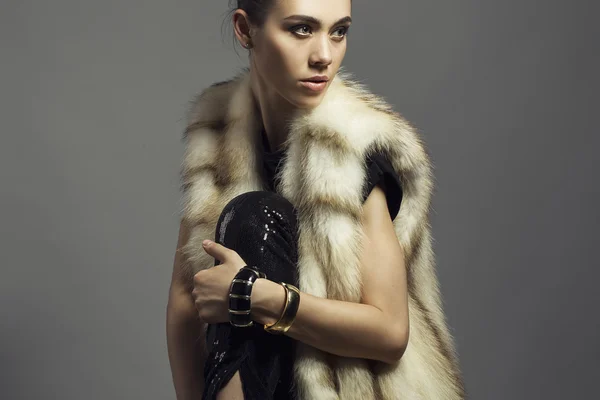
(240, 292)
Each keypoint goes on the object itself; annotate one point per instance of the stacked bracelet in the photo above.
(239, 296)
(290, 309)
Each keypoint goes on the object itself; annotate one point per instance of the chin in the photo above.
(307, 102)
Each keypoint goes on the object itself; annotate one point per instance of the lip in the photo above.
(315, 84)
(317, 78)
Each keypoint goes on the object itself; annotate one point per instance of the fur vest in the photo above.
(322, 177)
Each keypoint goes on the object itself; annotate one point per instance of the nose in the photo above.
(321, 55)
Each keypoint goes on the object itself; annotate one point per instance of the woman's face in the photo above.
(301, 40)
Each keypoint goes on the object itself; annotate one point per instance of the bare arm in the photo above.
(377, 328)
(185, 332)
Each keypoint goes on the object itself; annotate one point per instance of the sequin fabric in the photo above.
(262, 227)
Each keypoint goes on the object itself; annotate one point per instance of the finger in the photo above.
(216, 250)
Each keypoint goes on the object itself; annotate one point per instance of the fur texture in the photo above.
(322, 177)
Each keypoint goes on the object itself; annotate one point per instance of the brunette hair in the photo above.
(257, 10)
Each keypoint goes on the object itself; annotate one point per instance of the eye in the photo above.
(341, 31)
(302, 30)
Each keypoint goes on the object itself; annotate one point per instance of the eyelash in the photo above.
(296, 28)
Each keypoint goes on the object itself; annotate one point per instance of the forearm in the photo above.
(338, 327)
(186, 348)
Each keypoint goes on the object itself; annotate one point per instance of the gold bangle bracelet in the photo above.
(288, 315)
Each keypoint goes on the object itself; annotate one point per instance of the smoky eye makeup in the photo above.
(304, 30)
(300, 29)
(343, 29)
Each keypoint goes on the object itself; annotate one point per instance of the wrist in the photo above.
(267, 301)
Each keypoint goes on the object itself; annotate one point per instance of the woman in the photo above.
(294, 171)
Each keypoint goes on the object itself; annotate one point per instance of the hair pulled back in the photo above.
(257, 10)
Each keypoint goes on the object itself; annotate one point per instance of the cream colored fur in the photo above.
(322, 176)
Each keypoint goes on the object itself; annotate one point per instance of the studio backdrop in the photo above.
(93, 98)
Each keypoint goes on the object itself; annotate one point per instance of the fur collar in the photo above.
(322, 176)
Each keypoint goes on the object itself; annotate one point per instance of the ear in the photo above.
(242, 27)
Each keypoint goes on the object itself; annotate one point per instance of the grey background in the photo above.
(92, 101)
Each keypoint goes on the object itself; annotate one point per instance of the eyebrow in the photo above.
(313, 20)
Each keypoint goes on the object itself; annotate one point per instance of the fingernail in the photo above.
(206, 242)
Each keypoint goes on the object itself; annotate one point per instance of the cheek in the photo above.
(280, 64)
(339, 54)
(285, 60)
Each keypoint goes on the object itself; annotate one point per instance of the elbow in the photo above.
(398, 344)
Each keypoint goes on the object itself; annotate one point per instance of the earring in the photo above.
(247, 45)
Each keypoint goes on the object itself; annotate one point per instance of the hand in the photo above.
(211, 286)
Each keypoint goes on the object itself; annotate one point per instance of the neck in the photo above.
(274, 110)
